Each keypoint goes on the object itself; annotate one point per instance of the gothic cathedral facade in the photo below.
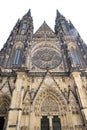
(43, 77)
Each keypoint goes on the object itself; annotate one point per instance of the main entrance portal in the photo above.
(45, 123)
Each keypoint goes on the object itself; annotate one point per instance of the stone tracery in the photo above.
(4, 104)
(46, 56)
(49, 95)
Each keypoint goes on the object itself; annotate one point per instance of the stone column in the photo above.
(28, 58)
(81, 95)
(50, 122)
(38, 122)
(32, 121)
(15, 110)
(64, 122)
(6, 60)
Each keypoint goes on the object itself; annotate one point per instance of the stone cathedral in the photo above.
(43, 77)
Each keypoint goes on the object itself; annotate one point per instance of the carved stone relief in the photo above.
(49, 101)
(4, 104)
(49, 105)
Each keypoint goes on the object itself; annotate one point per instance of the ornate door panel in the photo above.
(44, 123)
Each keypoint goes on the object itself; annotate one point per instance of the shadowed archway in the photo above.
(4, 105)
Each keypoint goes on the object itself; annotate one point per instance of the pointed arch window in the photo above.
(75, 57)
(17, 57)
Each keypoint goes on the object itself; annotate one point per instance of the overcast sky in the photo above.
(11, 10)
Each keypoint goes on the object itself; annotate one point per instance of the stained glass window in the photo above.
(16, 57)
(75, 57)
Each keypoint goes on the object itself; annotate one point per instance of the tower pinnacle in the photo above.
(57, 14)
(29, 13)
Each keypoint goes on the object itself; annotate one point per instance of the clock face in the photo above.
(46, 56)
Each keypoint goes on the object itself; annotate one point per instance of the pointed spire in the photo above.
(58, 14)
(29, 13)
(44, 22)
(57, 21)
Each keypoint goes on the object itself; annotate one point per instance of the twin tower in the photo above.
(43, 77)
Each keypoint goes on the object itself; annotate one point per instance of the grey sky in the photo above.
(11, 10)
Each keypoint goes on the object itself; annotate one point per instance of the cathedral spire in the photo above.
(29, 13)
(26, 27)
(60, 19)
(61, 24)
(57, 21)
(57, 14)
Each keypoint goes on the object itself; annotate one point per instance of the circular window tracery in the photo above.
(46, 56)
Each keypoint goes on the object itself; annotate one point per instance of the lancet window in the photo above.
(75, 57)
(17, 57)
